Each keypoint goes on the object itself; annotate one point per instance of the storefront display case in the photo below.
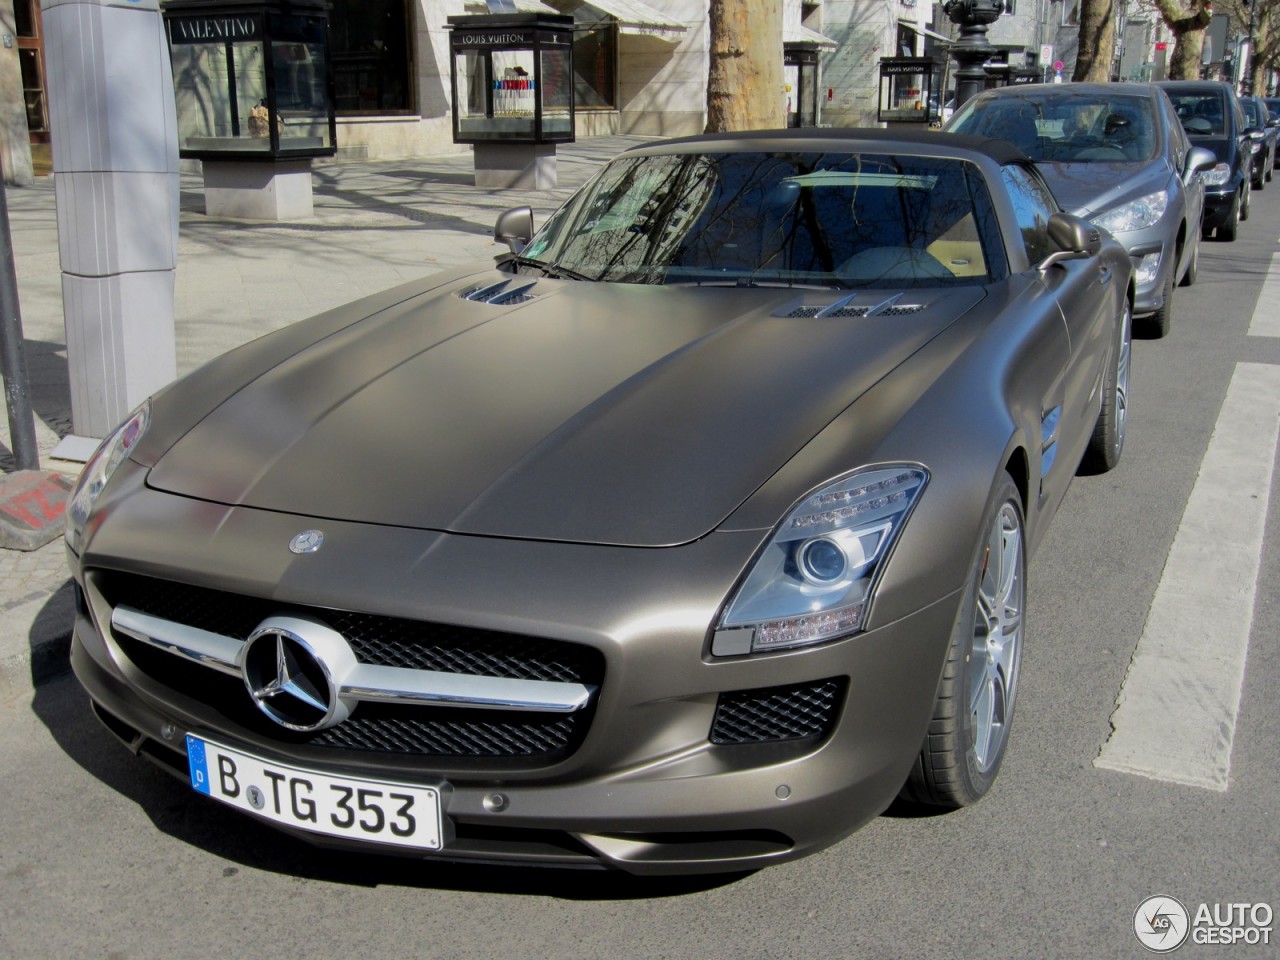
(252, 79)
(512, 77)
(906, 89)
(800, 63)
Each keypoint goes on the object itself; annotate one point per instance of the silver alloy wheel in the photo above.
(1122, 375)
(997, 638)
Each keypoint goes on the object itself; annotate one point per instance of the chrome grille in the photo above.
(425, 730)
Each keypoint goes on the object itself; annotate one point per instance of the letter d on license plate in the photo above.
(406, 815)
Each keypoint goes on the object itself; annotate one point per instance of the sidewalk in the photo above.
(376, 224)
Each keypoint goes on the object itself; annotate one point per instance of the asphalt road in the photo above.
(103, 856)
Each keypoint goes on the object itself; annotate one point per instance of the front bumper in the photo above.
(1149, 294)
(1218, 203)
(641, 787)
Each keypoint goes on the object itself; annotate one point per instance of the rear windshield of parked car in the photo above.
(1202, 114)
(777, 218)
(1066, 127)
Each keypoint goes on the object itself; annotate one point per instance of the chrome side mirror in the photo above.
(1198, 160)
(514, 228)
(1075, 238)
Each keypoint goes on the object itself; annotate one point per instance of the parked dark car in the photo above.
(1264, 157)
(1273, 109)
(681, 540)
(1115, 154)
(1211, 114)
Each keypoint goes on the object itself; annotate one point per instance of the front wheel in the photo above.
(1246, 201)
(973, 712)
(1228, 231)
(1193, 268)
(1157, 325)
(1107, 442)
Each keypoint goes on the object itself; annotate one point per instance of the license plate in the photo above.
(406, 815)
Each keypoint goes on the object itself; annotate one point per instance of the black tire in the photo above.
(973, 712)
(1229, 230)
(1157, 325)
(1246, 201)
(1107, 443)
(1193, 268)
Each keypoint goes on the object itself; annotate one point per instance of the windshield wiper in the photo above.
(552, 270)
(748, 282)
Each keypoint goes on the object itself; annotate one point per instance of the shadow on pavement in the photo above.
(50, 636)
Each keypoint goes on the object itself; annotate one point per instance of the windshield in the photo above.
(835, 220)
(1202, 114)
(1066, 127)
(1252, 113)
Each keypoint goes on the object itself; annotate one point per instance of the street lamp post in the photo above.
(972, 49)
(1246, 68)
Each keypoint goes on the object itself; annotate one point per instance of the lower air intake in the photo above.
(773, 714)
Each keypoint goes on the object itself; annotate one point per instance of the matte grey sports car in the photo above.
(683, 539)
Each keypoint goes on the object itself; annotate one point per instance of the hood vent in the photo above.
(843, 308)
(500, 294)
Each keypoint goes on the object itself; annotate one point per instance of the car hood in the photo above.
(574, 411)
(1090, 189)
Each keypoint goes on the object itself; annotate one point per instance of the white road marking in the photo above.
(1176, 714)
(1266, 315)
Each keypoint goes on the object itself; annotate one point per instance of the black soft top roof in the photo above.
(916, 142)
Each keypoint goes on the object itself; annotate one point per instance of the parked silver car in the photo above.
(1115, 154)
(682, 539)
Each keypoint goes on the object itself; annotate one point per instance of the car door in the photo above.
(1084, 291)
(1193, 187)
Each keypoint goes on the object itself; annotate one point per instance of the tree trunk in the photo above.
(1187, 24)
(1097, 41)
(745, 87)
(1185, 62)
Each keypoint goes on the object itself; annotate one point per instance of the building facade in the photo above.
(640, 65)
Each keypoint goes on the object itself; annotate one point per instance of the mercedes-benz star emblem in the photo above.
(309, 541)
(293, 669)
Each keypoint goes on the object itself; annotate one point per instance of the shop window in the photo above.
(369, 47)
(595, 57)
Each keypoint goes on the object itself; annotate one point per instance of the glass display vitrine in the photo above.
(801, 70)
(512, 78)
(252, 79)
(906, 87)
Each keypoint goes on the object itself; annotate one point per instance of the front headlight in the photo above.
(1146, 269)
(813, 580)
(1135, 215)
(93, 478)
(1217, 176)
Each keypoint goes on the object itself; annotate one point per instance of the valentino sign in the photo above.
(213, 29)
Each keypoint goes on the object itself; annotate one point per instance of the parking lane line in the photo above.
(1175, 717)
(1266, 315)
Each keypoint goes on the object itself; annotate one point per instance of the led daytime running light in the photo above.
(807, 629)
(848, 509)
